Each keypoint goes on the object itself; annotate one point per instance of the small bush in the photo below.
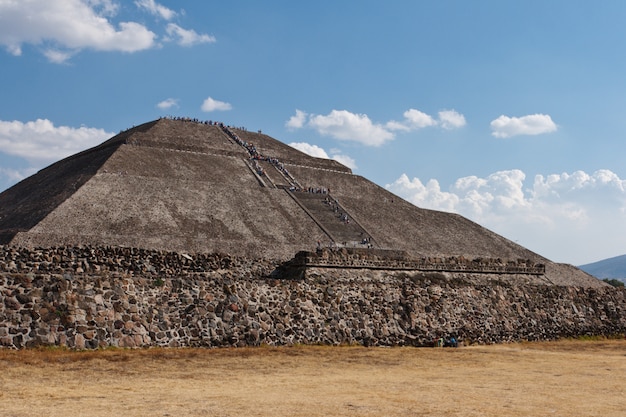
(614, 282)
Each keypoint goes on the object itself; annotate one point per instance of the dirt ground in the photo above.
(566, 378)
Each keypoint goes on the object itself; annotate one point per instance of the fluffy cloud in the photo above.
(296, 121)
(62, 27)
(344, 125)
(576, 218)
(168, 103)
(57, 56)
(186, 37)
(316, 151)
(415, 120)
(312, 150)
(603, 188)
(534, 124)
(40, 141)
(427, 195)
(156, 9)
(210, 105)
(451, 119)
(344, 160)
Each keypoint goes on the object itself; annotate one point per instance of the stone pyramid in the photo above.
(189, 186)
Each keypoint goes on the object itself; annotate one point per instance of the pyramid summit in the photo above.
(202, 187)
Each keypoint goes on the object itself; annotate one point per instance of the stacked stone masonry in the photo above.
(86, 298)
(370, 259)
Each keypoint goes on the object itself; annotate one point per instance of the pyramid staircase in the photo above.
(341, 227)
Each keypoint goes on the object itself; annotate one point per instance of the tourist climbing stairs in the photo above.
(273, 175)
(277, 175)
(341, 227)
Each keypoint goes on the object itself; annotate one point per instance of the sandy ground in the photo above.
(567, 378)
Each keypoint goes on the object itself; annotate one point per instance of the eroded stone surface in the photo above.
(149, 298)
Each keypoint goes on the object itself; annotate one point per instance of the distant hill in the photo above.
(607, 268)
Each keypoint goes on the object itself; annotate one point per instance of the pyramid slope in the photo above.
(184, 186)
(27, 203)
(169, 199)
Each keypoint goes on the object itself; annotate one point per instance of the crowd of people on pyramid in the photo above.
(259, 170)
(198, 121)
(256, 156)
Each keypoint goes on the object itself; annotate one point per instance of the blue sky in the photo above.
(510, 113)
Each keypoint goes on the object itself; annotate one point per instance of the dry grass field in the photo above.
(565, 378)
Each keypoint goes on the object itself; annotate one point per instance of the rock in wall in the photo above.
(237, 303)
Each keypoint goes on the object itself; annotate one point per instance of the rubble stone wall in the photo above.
(140, 299)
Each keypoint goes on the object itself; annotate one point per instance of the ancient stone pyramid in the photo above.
(189, 186)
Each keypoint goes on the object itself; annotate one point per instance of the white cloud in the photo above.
(296, 121)
(579, 184)
(40, 141)
(534, 124)
(11, 176)
(63, 27)
(316, 151)
(345, 125)
(415, 119)
(426, 196)
(451, 119)
(502, 190)
(186, 37)
(210, 105)
(168, 103)
(577, 218)
(394, 125)
(156, 9)
(58, 57)
(344, 160)
(312, 150)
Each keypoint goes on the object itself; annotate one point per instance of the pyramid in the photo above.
(200, 187)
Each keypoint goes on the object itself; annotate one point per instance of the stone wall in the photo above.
(131, 298)
(367, 258)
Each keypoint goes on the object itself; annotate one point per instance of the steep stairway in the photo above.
(341, 227)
